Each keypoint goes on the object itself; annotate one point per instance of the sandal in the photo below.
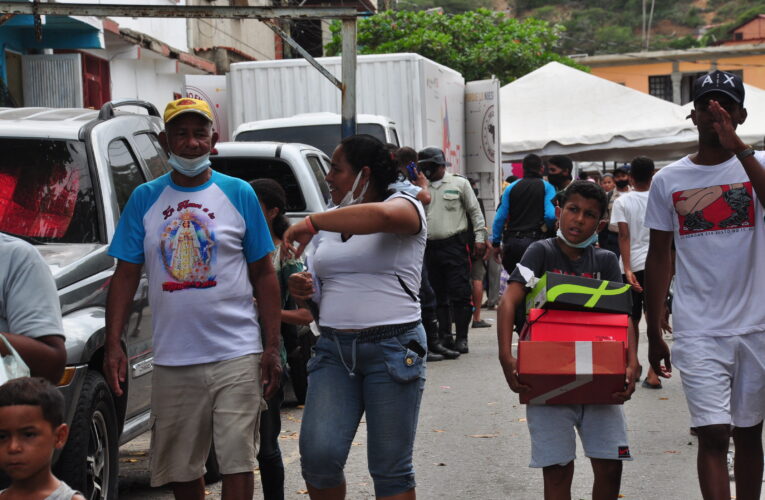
(647, 385)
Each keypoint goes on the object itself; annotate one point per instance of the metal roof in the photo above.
(59, 123)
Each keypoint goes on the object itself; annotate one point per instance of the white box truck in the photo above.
(425, 100)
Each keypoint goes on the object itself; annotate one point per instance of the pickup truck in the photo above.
(300, 170)
(65, 175)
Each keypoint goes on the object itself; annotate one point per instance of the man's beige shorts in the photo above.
(192, 405)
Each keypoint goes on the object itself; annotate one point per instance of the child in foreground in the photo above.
(31, 428)
(602, 428)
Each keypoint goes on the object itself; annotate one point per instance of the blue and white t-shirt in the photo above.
(196, 244)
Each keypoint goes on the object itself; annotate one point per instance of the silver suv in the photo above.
(300, 170)
(65, 175)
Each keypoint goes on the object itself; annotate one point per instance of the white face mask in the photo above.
(190, 167)
(348, 199)
(589, 241)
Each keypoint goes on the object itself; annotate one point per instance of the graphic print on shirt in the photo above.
(187, 247)
(714, 208)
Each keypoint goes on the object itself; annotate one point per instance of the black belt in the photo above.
(461, 238)
(536, 235)
(373, 334)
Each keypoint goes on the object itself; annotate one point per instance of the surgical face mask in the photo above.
(589, 241)
(622, 184)
(348, 199)
(556, 179)
(190, 167)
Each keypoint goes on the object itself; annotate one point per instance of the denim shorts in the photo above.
(346, 378)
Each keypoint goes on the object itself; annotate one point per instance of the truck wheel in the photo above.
(88, 462)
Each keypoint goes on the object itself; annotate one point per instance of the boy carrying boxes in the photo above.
(601, 427)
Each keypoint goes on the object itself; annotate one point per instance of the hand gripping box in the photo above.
(583, 372)
(561, 291)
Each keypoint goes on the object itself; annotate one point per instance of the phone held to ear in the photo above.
(412, 171)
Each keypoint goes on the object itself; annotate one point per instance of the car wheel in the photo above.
(88, 462)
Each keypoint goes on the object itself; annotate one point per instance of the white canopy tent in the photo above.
(561, 110)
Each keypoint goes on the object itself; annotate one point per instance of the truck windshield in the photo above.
(46, 194)
(324, 137)
(249, 169)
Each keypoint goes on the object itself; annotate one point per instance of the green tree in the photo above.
(478, 44)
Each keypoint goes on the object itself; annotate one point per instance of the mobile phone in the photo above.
(412, 171)
(415, 347)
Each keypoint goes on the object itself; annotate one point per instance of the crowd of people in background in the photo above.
(394, 273)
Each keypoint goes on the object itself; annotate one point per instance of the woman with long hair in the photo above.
(370, 358)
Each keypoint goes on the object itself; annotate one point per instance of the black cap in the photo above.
(719, 81)
(432, 154)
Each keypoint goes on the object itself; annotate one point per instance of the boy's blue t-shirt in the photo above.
(545, 256)
(196, 244)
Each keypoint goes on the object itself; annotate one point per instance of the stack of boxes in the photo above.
(573, 349)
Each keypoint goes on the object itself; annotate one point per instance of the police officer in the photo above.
(446, 255)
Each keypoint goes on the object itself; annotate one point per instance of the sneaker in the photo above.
(481, 324)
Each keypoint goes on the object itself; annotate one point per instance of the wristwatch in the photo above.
(745, 153)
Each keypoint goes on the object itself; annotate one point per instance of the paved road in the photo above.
(473, 443)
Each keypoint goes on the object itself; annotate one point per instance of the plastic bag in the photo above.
(13, 366)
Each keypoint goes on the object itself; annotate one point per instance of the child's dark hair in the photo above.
(404, 156)
(34, 391)
(364, 150)
(272, 195)
(642, 169)
(588, 190)
(532, 164)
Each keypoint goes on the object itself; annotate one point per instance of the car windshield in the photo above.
(249, 169)
(324, 137)
(46, 194)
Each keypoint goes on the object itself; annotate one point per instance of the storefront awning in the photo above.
(58, 32)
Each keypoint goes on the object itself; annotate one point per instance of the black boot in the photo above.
(462, 320)
(434, 343)
(445, 326)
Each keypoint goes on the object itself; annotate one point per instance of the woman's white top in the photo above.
(369, 279)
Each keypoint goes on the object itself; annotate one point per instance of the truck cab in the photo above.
(321, 130)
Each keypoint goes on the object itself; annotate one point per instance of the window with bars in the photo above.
(660, 86)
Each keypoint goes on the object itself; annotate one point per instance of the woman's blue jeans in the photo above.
(346, 378)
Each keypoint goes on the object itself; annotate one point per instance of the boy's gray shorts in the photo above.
(602, 428)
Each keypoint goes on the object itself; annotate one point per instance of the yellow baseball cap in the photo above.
(187, 105)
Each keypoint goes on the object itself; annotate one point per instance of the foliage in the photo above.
(478, 44)
(609, 26)
(736, 13)
(449, 6)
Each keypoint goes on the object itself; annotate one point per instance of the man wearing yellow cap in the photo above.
(205, 244)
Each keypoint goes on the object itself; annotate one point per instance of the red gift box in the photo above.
(555, 325)
(571, 372)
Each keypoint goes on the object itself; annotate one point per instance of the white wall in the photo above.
(249, 36)
(137, 78)
(169, 31)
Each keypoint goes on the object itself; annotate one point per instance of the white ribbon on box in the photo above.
(583, 371)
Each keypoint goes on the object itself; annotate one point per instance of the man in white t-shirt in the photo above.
(710, 203)
(628, 214)
(205, 245)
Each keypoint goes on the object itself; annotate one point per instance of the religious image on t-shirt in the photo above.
(187, 249)
(714, 208)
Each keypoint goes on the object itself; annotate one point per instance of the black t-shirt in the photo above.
(545, 256)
